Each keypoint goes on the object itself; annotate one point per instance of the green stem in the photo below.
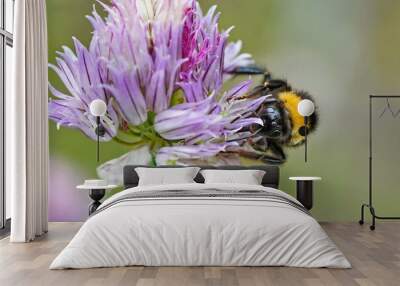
(142, 135)
(130, 132)
(130, 144)
(134, 129)
(146, 134)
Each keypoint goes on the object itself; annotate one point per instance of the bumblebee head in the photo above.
(290, 100)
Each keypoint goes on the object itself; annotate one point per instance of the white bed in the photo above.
(265, 229)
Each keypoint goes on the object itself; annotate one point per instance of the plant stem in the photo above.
(130, 144)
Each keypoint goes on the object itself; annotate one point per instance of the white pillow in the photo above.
(166, 176)
(247, 177)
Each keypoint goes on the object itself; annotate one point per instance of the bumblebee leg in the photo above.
(278, 151)
(277, 85)
(265, 158)
(273, 87)
(272, 160)
(255, 92)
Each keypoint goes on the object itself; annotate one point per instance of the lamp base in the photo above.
(96, 195)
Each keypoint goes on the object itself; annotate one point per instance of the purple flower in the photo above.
(189, 153)
(209, 56)
(143, 50)
(203, 46)
(142, 57)
(84, 83)
(210, 122)
(209, 118)
(233, 59)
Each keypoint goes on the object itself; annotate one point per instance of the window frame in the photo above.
(6, 39)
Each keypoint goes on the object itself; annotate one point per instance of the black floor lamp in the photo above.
(98, 108)
(306, 108)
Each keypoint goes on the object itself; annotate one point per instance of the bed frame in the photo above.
(271, 177)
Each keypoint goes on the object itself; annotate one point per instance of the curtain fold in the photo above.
(27, 124)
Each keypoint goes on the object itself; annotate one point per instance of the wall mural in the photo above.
(155, 77)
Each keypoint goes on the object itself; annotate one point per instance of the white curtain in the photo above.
(27, 123)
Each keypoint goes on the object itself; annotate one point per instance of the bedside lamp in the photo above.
(98, 108)
(306, 108)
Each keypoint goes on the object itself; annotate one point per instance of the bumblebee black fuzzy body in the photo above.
(283, 125)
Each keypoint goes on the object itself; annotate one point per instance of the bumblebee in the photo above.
(283, 125)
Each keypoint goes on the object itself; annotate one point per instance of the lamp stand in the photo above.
(305, 140)
(98, 137)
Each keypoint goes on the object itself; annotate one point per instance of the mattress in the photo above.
(201, 225)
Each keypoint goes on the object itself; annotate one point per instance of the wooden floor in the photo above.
(375, 257)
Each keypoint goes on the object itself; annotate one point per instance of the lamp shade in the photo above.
(98, 107)
(306, 107)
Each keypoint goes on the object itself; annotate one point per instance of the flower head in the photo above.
(211, 125)
(84, 83)
(160, 66)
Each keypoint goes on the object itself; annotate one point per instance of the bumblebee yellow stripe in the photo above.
(290, 99)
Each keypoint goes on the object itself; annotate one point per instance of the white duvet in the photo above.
(200, 231)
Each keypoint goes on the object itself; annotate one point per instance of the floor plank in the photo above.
(375, 257)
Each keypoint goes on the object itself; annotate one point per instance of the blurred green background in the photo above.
(340, 51)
